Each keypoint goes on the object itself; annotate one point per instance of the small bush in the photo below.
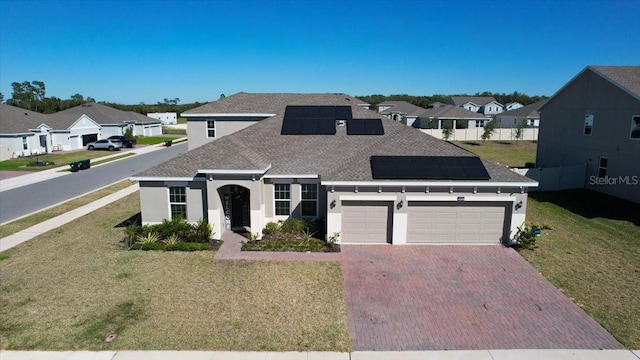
(526, 237)
(271, 228)
(149, 238)
(293, 225)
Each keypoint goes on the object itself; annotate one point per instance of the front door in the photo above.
(240, 207)
(43, 143)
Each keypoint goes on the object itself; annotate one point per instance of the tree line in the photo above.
(426, 101)
(32, 96)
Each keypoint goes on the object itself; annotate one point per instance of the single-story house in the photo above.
(594, 121)
(401, 111)
(529, 114)
(457, 117)
(372, 180)
(217, 119)
(24, 132)
(114, 121)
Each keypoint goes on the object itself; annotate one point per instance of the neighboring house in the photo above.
(373, 180)
(458, 117)
(114, 121)
(25, 132)
(401, 111)
(230, 114)
(594, 120)
(512, 106)
(165, 118)
(529, 114)
(486, 105)
(22, 133)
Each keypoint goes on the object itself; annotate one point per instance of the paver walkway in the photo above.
(457, 298)
(230, 249)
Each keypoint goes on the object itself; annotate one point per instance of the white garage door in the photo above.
(453, 222)
(366, 221)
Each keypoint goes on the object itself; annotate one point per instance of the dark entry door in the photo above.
(240, 207)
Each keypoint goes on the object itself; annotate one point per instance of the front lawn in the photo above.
(510, 153)
(58, 159)
(72, 287)
(592, 255)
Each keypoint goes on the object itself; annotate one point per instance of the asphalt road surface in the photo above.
(27, 199)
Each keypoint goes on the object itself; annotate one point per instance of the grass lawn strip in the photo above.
(59, 159)
(509, 153)
(28, 221)
(592, 255)
(70, 288)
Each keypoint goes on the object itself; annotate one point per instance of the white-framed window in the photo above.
(309, 200)
(178, 201)
(588, 124)
(602, 166)
(282, 197)
(211, 128)
(635, 127)
(479, 123)
(25, 144)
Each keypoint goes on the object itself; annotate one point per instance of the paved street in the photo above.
(26, 199)
(458, 298)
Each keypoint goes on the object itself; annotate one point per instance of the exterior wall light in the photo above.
(518, 205)
(399, 205)
(333, 204)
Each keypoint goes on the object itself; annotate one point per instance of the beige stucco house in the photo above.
(594, 121)
(360, 176)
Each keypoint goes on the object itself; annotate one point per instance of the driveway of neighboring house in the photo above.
(457, 298)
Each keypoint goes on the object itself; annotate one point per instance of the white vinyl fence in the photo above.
(475, 134)
(556, 178)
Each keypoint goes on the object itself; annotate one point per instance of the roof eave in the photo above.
(433, 183)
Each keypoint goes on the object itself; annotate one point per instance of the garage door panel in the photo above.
(452, 222)
(366, 221)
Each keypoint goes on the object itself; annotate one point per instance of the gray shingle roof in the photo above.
(338, 157)
(402, 107)
(15, 120)
(261, 103)
(103, 114)
(531, 110)
(451, 112)
(626, 77)
(478, 100)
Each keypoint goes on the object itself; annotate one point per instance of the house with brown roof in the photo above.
(594, 121)
(401, 111)
(321, 156)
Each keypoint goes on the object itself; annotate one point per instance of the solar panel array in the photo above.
(428, 168)
(365, 127)
(313, 120)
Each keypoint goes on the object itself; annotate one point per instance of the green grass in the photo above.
(170, 131)
(182, 120)
(510, 153)
(28, 221)
(592, 255)
(59, 159)
(153, 140)
(72, 287)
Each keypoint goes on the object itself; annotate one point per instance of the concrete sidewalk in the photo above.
(356, 355)
(35, 177)
(48, 225)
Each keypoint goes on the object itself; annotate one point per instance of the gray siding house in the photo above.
(357, 181)
(594, 120)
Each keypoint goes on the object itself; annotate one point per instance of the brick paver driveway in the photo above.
(458, 297)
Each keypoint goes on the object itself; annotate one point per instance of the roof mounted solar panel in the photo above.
(428, 168)
(365, 127)
(305, 120)
(343, 113)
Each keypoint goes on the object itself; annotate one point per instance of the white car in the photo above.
(106, 144)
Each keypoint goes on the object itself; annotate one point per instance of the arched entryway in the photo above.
(235, 201)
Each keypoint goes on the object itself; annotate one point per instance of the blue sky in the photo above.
(144, 51)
